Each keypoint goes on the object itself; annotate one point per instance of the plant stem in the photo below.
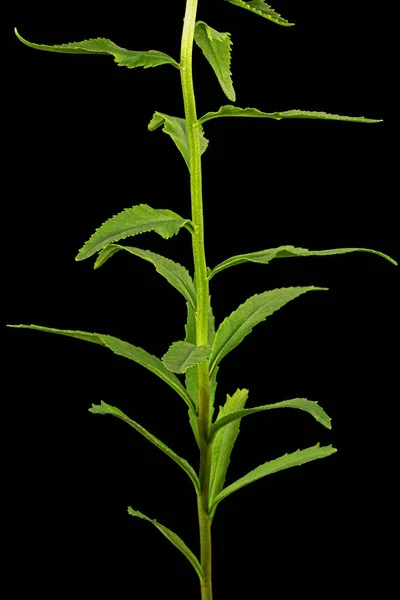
(203, 300)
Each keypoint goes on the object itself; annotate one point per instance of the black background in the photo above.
(80, 152)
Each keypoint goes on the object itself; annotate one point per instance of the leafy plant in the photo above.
(199, 355)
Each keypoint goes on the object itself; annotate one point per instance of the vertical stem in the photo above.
(200, 268)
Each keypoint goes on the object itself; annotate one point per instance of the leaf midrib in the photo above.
(124, 233)
(236, 331)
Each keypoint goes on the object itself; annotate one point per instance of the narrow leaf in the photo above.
(259, 7)
(284, 462)
(235, 111)
(174, 539)
(224, 441)
(173, 272)
(106, 409)
(130, 222)
(143, 358)
(182, 355)
(313, 408)
(176, 128)
(265, 256)
(216, 48)
(240, 323)
(123, 57)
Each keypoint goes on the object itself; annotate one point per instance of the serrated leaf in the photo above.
(273, 466)
(235, 111)
(173, 272)
(224, 441)
(106, 409)
(216, 47)
(176, 128)
(123, 57)
(240, 323)
(183, 355)
(174, 539)
(261, 8)
(143, 358)
(265, 256)
(132, 221)
(313, 408)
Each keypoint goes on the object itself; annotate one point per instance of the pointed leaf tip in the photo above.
(309, 406)
(224, 440)
(216, 48)
(130, 222)
(121, 348)
(265, 256)
(286, 461)
(261, 8)
(254, 310)
(174, 273)
(174, 539)
(106, 409)
(235, 111)
(122, 56)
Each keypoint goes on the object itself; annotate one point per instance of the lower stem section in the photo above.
(205, 546)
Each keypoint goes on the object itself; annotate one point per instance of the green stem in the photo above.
(200, 269)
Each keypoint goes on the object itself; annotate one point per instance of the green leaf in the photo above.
(150, 362)
(224, 441)
(123, 57)
(182, 355)
(240, 323)
(132, 221)
(173, 272)
(176, 128)
(265, 256)
(174, 539)
(216, 48)
(313, 408)
(273, 466)
(106, 409)
(259, 7)
(235, 111)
